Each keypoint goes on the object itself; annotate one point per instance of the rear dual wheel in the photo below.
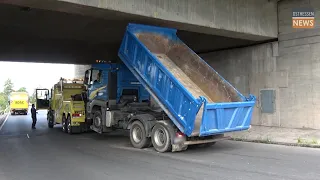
(138, 136)
(160, 137)
(50, 119)
(66, 125)
(69, 127)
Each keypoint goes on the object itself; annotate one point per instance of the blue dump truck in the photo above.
(164, 93)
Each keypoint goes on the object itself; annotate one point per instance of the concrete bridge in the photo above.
(250, 42)
(80, 31)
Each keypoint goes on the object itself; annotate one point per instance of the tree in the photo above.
(22, 89)
(8, 88)
(33, 97)
(3, 101)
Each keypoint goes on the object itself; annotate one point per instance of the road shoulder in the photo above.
(282, 136)
(3, 118)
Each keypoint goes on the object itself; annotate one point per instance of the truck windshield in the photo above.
(42, 94)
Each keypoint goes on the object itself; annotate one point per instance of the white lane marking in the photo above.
(4, 121)
(28, 136)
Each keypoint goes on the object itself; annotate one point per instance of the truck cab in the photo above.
(67, 106)
(111, 87)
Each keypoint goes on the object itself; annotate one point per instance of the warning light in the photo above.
(102, 61)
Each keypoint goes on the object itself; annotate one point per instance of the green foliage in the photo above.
(4, 96)
(33, 97)
(8, 87)
(22, 89)
(3, 102)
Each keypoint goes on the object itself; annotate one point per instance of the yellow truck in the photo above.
(66, 106)
(19, 103)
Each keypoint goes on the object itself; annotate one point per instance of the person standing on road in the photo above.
(33, 116)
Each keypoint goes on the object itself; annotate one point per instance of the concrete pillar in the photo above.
(299, 56)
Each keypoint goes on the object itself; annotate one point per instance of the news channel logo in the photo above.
(303, 18)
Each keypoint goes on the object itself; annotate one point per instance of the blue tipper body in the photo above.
(179, 104)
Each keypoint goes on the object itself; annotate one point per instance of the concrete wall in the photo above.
(79, 70)
(291, 67)
(250, 70)
(247, 19)
(299, 55)
(285, 14)
(293, 72)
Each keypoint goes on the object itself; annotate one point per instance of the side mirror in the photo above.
(86, 81)
(86, 77)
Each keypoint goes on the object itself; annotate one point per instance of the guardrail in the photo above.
(4, 111)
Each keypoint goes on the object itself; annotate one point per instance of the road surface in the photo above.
(49, 154)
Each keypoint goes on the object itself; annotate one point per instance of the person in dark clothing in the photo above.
(33, 116)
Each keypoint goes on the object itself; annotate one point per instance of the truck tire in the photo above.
(69, 127)
(138, 136)
(49, 120)
(97, 120)
(161, 139)
(64, 124)
(50, 125)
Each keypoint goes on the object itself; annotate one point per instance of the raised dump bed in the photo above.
(197, 99)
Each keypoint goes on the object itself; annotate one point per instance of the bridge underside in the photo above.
(84, 34)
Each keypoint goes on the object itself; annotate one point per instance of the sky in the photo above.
(33, 75)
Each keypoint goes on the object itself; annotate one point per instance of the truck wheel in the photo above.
(69, 127)
(160, 137)
(50, 125)
(64, 124)
(97, 119)
(49, 119)
(138, 136)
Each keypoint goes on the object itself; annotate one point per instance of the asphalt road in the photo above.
(49, 154)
